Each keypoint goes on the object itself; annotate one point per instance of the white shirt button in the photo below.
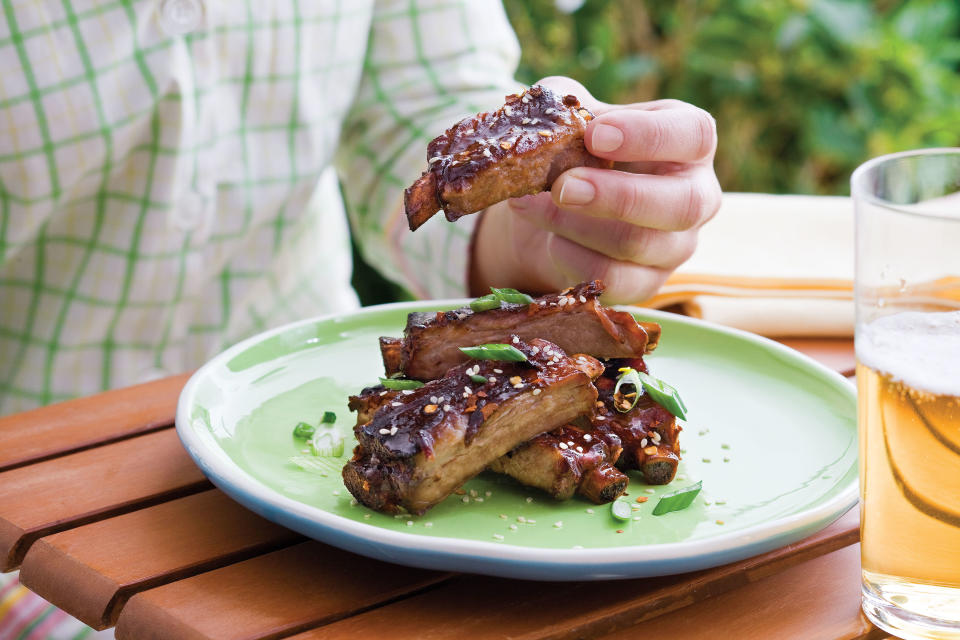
(188, 213)
(180, 17)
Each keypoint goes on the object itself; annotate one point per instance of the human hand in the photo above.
(629, 226)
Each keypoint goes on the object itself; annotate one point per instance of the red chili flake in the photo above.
(619, 530)
(642, 499)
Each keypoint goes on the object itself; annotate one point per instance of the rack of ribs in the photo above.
(420, 446)
(574, 320)
(561, 462)
(517, 150)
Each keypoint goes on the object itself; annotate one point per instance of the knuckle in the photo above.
(633, 243)
(628, 199)
(695, 207)
(706, 134)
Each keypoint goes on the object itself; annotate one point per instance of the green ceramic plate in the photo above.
(771, 433)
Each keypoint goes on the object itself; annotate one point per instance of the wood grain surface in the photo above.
(57, 494)
(90, 571)
(818, 600)
(270, 596)
(484, 608)
(86, 422)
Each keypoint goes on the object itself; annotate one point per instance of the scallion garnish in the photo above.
(327, 444)
(329, 417)
(485, 303)
(511, 295)
(400, 384)
(659, 391)
(492, 300)
(495, 351)
(621, 510)
(677, 500)
(304, 430)
(478, 379)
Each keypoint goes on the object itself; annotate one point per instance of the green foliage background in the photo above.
(803, 90)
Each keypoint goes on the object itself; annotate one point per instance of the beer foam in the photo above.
(921, 350)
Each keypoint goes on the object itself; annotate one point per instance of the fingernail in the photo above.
(606, 138)
(576, 191)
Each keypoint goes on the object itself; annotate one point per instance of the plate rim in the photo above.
(247, 490)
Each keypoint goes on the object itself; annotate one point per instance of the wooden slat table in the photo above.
(107, 517)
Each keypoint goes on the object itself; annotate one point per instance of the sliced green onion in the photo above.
(659, 391)
(323, 466)
(511, 295)
(478, 379)
(398, 384)
(677, 500)
(621, 510)
(628, 376)
(327, 444)
(329, 417)
(485, 303)
(664, 395)
(304, 430)
(495, 351)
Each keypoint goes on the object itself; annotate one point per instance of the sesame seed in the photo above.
(497, 536)
(525, 98)
(531, 521)
(534, 120)
(492, 379)
(563, 445)
(516, 340)
(707, 502)
(549, 110)
(521, 519)
(407, 392)
(505, 145)
(428, 524)
(478, 499)
(503, 516)
(384, 432)
(650, 451)
(558, 524)
(465, 499)
(335, 492)
(525, 121)
(383, 393)
(536, 392)
(529, 499)
(488, 493)
(486, 153)
(507, 110)
(434, 159)
(562, 302)
(467, 390)
(353, 502)
(498, 370)
(515, 380)
(583, 299)
(681, 477)
(649, 491)
(304, 450)
(409, 523)
(545, 133)
(580, 449)
(590, 511)
(393, 430)
(600, 418)
(636, 517)
(587, 438)
(366, 516)
(656, 436)
(534, 351)
(396, 404)
(643, 443)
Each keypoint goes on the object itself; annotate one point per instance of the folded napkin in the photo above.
(772, 264)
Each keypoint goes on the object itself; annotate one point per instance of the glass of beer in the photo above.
(907, 292)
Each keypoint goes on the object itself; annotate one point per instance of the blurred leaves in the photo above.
(803, 90)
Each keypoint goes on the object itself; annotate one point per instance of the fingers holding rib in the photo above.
(667, 203)
(670, 132)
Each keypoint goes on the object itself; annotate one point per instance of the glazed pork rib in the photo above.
(583, 463)
(421, 446)
(648, 433)
(565, 461)
(517, 150)
(574, 320)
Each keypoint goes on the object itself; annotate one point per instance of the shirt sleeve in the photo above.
(429, 63)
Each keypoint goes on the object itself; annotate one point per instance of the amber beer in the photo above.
(908, 375)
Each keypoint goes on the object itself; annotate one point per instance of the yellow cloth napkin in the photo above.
(778, 265)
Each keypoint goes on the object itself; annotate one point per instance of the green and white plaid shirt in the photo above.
(159, 163)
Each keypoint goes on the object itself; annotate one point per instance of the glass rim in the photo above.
(859, 192)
